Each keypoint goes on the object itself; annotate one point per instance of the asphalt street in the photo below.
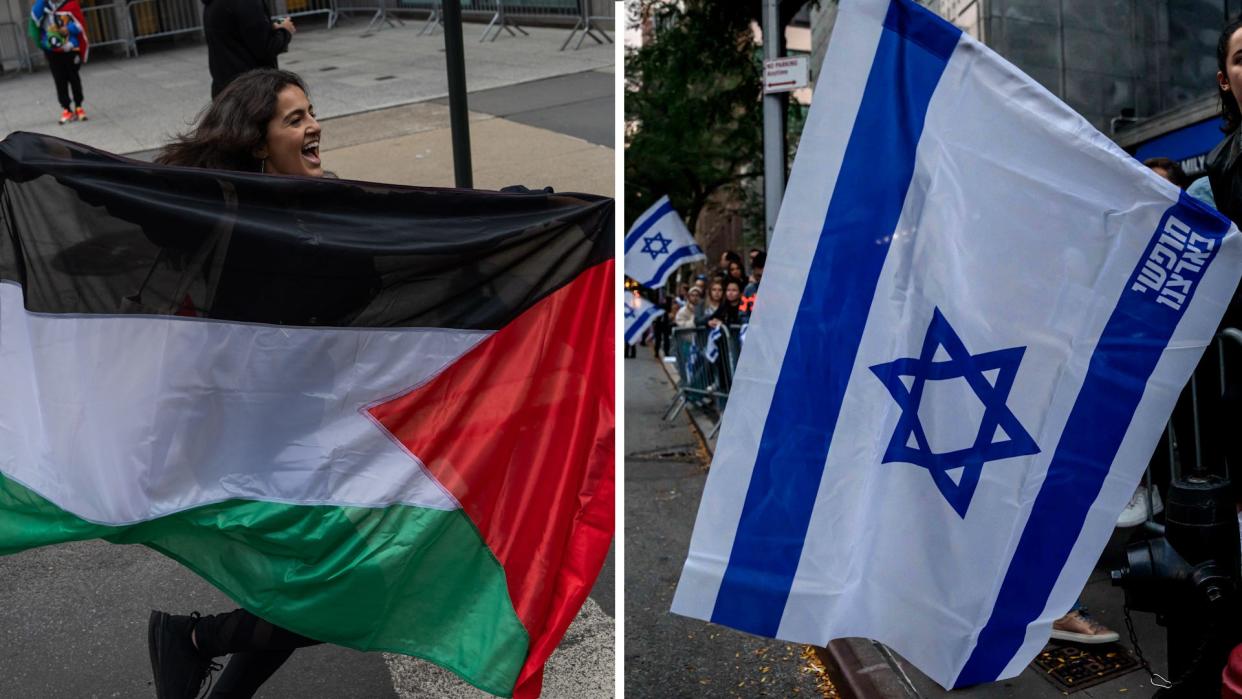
(73, 621)
(669, 656)
(577, 105)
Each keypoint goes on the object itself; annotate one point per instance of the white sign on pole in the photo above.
(784, 74)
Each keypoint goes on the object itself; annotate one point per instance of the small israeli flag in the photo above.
(978, 313)
(741, 334)
(657, 244)
(638, 313)
(711, 351)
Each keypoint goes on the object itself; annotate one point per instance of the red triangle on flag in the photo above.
(520, 431)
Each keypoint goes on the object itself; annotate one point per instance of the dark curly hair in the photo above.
(1229, 111)
(234, 126)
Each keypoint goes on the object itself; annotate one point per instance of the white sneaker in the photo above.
(1136, 510)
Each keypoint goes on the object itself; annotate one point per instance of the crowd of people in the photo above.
(722, 295)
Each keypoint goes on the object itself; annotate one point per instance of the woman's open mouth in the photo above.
(310, 151)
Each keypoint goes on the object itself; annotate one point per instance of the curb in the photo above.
(859, 671)
(691, 416)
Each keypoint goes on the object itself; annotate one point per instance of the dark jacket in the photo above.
(240, 37)
(728, 313)
(1224, 167)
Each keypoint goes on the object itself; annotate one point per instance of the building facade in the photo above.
(1141, 71)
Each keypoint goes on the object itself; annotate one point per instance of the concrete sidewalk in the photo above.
(541, 133)
(135, 104)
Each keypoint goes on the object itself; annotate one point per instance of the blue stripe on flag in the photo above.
(672, 261)
(637, 232)
(865, 207)
(1132, 342)
(640, 324)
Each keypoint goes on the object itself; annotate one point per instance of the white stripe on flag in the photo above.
(120, 419)
(814, 177)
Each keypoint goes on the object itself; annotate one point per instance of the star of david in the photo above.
(629, 311)
(997, 417)
(649, 243)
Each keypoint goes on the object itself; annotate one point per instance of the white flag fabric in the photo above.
(977, 315)
(638, 314)
(657, 244)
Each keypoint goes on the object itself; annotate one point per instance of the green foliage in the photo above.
(693, 108)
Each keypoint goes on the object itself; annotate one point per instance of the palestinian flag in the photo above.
(378, 416)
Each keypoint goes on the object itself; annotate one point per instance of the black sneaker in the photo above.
(178, 668)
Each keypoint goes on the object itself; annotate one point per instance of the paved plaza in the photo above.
(135, 104)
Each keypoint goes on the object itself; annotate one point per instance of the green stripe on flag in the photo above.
(402, 579)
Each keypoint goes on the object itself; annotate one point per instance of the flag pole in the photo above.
(459, 115)
(773, 125)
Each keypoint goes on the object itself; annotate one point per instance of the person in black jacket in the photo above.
(729, 312)
(241, 36)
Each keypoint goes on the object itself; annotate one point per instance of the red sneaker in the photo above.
(79, 114)
(65, 117)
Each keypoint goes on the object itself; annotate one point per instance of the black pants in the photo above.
(258, 649)
(65, 68)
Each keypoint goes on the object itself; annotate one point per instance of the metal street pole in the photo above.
(773, 124)
(459, 116)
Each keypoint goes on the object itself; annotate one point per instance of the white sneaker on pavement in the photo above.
(1136, 510)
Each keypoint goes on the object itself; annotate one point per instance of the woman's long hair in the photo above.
(234, 126)
(1228, 101)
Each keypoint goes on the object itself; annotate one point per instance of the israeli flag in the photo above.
(711, 350)
(638, 314)
(977, 315)
(657, 244)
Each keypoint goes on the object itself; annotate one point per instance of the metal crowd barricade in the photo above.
(500, 20)
(13, 45)
(383, 12)
(150, 19)
(306, 8)
(1180, 446)
(107, 26)
(591, 13)
(372, 7)
(703, 381)
(435, 15)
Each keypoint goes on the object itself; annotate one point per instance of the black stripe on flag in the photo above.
(86, 232)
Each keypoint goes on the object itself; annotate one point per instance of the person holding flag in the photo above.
(59, 29)
(263, 121)
(318, 395)
(657, 244)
